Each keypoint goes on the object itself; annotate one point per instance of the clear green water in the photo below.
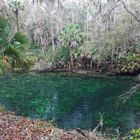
(69, 100)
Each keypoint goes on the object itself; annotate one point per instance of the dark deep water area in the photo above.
(69, 100)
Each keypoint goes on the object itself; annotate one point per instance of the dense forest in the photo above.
(93, 37)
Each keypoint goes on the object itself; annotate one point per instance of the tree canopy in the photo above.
(108, 31)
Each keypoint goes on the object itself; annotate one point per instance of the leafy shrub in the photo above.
(129, 57)
(70, 35)
(62, 54)
(129, 63)
(135, 134)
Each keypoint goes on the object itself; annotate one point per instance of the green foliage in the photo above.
(71, 36)
(62, 54)
(129, 62)
(129, 57)
(20, 39)
(12, 49)
(16, 4)
(135, 134)
(4, 31)
(4, 67)
(34, 46)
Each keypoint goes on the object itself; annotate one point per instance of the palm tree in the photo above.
(12, 48)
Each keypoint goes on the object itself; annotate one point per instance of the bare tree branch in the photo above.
(132, 14)
(125, 97)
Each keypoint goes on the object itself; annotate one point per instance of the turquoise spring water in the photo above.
(69, 100)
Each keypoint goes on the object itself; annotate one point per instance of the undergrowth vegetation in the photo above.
(13, 47)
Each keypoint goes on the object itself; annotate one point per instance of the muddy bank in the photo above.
(82, 71)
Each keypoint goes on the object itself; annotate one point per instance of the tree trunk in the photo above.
(17, 19)
(52, 35)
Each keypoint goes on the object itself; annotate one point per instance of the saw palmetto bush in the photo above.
(13, 48)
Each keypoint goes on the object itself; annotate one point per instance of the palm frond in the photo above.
(14, 56)
(28, 62)
(20, 39)
(17, 59)
(4, 65)
(22, 63)
(12, 52)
